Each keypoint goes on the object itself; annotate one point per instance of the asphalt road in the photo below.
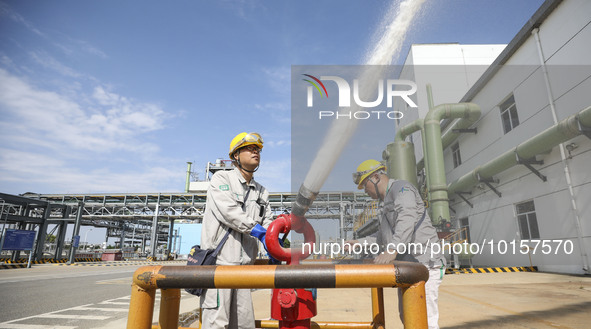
(59, 296)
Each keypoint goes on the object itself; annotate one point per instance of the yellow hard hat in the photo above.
(365, 169)
(244, 139)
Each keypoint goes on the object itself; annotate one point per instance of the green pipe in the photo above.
(435, 164)
(407, 130)
(540, 143)
(401, 161)
(400, 155)
(449, 136)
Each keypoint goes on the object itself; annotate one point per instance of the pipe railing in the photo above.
(410, 277)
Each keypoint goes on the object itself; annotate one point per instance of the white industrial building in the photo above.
(539, 79)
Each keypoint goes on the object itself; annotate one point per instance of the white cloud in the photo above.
(49, 62)
(5, 10)
(279, 79)
(88, 48)
(244, 8)
(87, 143)
(278, 143)
(278, 112)
(48, 116)
(44, 173)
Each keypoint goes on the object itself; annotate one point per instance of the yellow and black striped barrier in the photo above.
(22, 262)
(11, 266)
(504, 269)
(118, 263)
(80, 260)
(410, 277)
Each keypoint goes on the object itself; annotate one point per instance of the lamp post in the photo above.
(85, 240)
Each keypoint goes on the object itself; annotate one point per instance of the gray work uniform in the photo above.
(400, 211)
(232, 308)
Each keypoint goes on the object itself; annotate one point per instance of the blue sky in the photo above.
(112, 96)
(116, 96)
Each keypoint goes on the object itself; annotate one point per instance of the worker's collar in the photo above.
(242, 179)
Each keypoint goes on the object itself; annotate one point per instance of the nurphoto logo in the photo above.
(393, 88)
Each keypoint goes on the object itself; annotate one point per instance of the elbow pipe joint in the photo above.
(284, 224)
(407, 130)
(280, 225)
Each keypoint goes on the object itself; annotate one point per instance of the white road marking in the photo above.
(113, 303)
(32, 326)
(54, 276)
(80, 308)
(52, 315)
(73, 316)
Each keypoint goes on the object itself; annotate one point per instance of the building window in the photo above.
(455, 153)
(528, 223)
(465, 229)
(509, 114)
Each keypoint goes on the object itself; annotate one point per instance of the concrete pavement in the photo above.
(491, 300)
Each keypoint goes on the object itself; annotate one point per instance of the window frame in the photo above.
(465, 224)
(456, 155)
(509, 114)
(527, 219)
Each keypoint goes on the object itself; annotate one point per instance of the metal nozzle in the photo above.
(303, 201)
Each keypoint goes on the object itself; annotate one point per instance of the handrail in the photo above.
(411, 277)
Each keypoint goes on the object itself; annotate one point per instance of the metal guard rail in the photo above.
(411, 277)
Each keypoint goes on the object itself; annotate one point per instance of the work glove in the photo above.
(259, 232)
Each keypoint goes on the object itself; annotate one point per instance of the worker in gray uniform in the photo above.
(403, 219)
(240, 205)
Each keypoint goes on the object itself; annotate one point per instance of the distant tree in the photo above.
(50, 238)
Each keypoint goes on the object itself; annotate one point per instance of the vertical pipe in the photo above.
(170, 236)
(414, 308)
(377, 308)
(342, 221)
(170, 301)
(141, 308)
(430, 96)
(41, 235)
(577, 219)
(76, 231)
(154, 241)
(200, 319)
(435, 166)
(143, 243)
(174, 249)
(401, 161)
(425, 153)
(122, 235)
(61, 236)
(188, 180)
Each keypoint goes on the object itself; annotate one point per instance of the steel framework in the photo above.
(151, 216)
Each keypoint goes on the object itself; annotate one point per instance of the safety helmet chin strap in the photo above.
(375, 185)
(240, 164)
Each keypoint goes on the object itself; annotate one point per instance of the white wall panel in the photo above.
(567, 20)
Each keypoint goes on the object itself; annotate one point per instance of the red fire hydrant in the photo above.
(293, 308)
